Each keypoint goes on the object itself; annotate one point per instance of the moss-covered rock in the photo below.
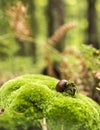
(30, 98)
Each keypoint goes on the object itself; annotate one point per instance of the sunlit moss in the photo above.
(32, 97)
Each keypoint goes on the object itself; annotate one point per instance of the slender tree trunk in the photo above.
(33, 26)
(55, 16)
(92, 26)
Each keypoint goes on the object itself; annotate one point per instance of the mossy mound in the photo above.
(33, 97)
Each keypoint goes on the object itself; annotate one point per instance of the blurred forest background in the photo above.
(59, 38)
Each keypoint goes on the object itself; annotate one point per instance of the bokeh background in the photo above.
(59, 38)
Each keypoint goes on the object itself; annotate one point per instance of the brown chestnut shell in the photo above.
(61, 85)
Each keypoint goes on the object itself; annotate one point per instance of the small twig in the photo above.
(44, 124)
(62, 127)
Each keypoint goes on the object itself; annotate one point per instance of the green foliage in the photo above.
(17, 65)
(34, 97)
(92, 56)
(8, 47)
(4, 25)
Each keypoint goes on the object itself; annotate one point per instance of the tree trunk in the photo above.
(27, 47)
(92, 26)
(55, 16)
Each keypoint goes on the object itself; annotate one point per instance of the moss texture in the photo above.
(29, 98)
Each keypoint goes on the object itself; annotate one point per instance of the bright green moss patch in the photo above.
(34, 97)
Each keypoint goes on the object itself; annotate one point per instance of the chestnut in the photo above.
(61, 85)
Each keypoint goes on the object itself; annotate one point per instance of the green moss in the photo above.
(34, 97)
